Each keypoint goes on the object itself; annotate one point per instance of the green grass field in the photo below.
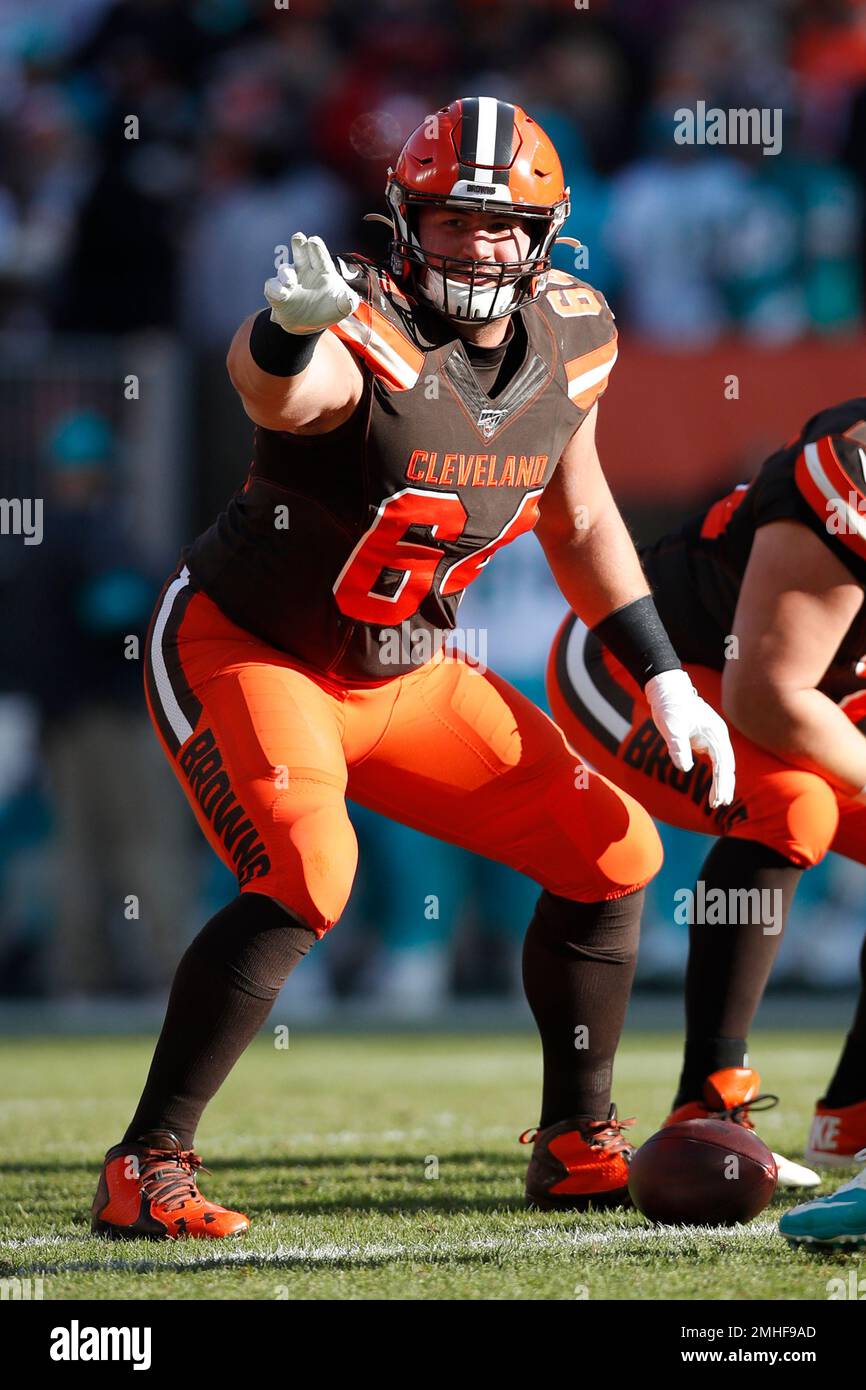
(328, 1145)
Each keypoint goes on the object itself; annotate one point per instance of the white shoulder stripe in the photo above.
(854, 520)
(375, 345)
(591, 378)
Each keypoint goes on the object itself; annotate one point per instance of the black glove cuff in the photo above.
(277, 352)
(636, 635)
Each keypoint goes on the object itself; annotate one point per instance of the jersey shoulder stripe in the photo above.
(832, 480)
(586, 333)
(374, 331)
(588, 375)
(390, 356)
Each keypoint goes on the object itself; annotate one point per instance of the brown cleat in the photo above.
(578, 1163)
(148, 1189)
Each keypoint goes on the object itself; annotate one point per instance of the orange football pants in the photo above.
(606, 718)
(267, 751)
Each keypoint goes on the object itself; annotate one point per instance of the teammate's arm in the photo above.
(290, 373)
(797, 601)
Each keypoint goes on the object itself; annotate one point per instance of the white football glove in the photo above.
(310, 294)
(686, 722)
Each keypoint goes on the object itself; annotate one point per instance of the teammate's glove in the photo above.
(686, 722)
(309, 295)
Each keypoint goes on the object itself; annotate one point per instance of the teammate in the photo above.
(763, 598)
(410, 420)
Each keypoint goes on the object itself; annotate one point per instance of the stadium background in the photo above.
(127, 263)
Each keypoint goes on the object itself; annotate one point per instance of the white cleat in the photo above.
(793, 1174)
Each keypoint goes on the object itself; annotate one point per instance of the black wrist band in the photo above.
(277, 352)
(636, 635)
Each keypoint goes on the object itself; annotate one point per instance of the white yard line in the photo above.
(520, 1241)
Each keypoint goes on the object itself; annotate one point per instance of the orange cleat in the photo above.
(578, 1163)
(836, 1134)
(728, 1093)
(148, 1189)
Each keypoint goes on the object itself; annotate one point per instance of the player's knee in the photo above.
(803, 822)
(645, 846)
(610, 845)
(634, 856)
(315, 856)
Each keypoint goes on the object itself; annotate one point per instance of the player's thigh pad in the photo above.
(256, 747)
(469, 759)
(607, 720)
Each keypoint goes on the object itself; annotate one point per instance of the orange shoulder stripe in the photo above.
(588, 374)
(390, 355)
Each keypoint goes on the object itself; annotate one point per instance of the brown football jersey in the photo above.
(351, 550)
(818, 479)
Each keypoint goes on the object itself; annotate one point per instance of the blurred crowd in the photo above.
(153, 151)
(154, 155)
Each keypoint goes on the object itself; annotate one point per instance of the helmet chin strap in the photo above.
(462, 301)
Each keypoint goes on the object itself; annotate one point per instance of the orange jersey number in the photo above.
(384, 546)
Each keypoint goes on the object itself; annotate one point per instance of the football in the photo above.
(702, 1172)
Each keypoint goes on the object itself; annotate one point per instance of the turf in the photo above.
(380, 1167)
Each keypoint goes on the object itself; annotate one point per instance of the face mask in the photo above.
(463, 300)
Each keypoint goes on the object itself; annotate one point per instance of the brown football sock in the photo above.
(578, 966)
(849, 1082)
(730, 961)
(222, 993)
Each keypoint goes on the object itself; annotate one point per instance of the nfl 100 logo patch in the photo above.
(488, 422)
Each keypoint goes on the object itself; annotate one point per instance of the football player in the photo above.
(411, 419)
(763, 598)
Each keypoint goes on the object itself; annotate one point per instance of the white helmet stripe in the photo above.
(486, 137)
(485, 149)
